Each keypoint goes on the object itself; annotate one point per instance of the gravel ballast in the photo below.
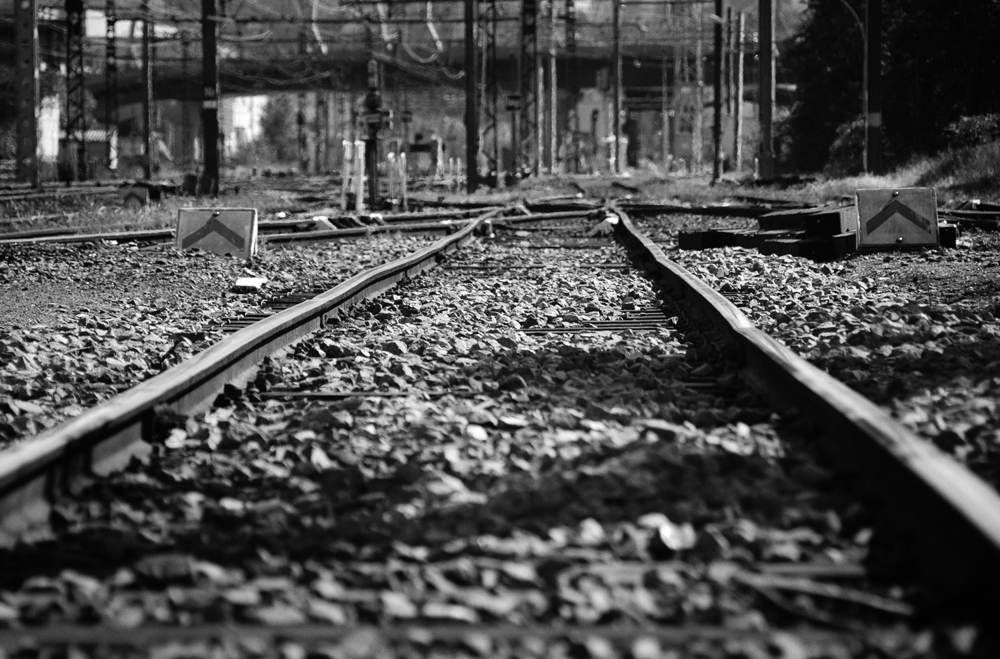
(915, 332)
(897, 327)
(582, 478)
(80, 323)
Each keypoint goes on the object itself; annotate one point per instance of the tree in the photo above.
(938, 63)
(824, 60)
(277, 125)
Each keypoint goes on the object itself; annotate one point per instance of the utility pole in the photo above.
(471, 98)
(738, 96)
(728, 62)
(373, 105)
(539, 110)
(490, 100)
(186, 151)
(698, 136)
(26, 93)
(76, 114)
(210, 96)
(528, 155)
(874, 57)
(717, 97)
(111, 81)
(572, 149)
(320, 123)
(147, 93)
(765, 93)
(302, 145)
(553, 93)
(664, 113)
(616, 120)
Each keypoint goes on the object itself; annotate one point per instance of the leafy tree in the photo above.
(824, 59)
(277, 125)
(938, 63)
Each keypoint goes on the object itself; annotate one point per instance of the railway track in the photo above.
(546, 429)
(54, 192)
(274, 231)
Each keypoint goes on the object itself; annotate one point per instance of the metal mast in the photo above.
(717, 96)
(186, 99)
(471, 98)
(147, 92)
(26, 67)
(765, 44)
(489, 105)
(616, 119)
(210, 96)
(111, 81)
(528, 75)
(874, 67)
(76, 118)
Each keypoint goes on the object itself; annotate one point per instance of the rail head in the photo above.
(919, 483)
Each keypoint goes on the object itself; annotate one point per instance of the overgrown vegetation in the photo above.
(938, 65)
(967, 172)
(277, 142)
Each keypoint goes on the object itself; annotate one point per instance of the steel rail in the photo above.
(308, 634)
(543, 220)
(396, 218)
(56, 193)
(106, 437)
(62, 238)
(714, 210)
(411, 229)
(952, 516)
(158, 235)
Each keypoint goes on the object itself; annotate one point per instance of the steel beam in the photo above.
(26, 74)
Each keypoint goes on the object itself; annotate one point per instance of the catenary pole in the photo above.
(210, 97)
(766, 89)
(874, 52)
(471, 98)
(717, 97)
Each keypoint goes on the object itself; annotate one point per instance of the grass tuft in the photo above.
(967, 172)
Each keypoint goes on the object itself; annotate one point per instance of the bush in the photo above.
(848, 149)
(969, 171)
(973, 130)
